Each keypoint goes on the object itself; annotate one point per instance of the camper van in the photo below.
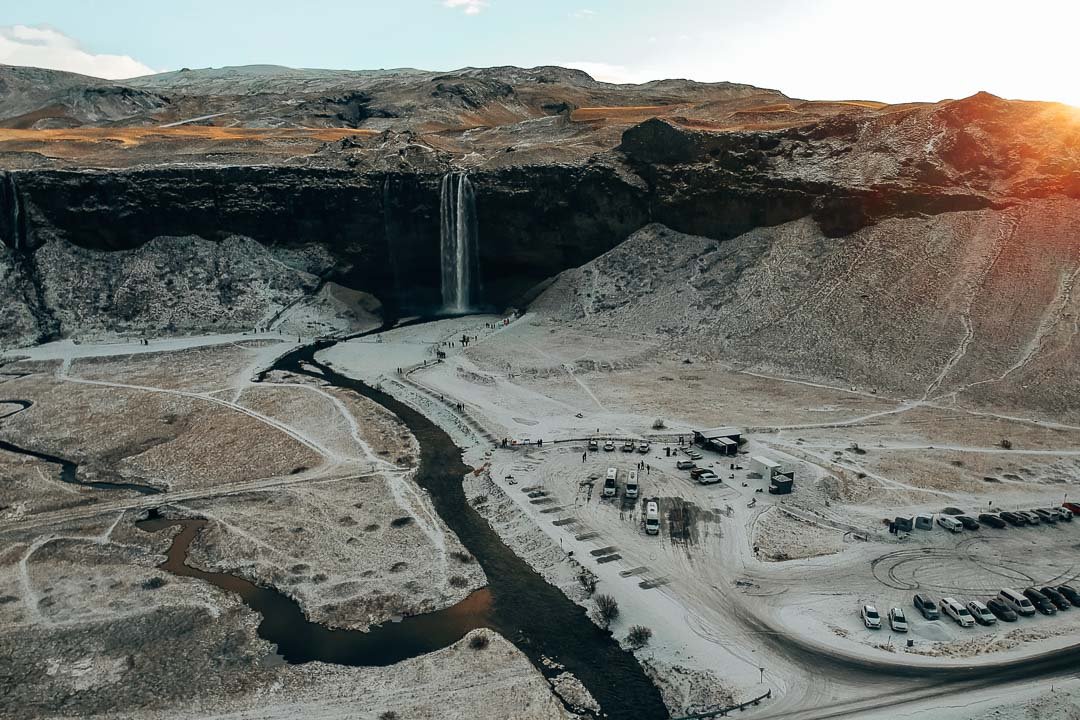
(631, 484)
(949, 523)
(652, 516)
(924, 522)
(1017, 602)
(610, 486)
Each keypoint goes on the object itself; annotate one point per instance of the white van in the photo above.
(957, 612)
(950, 523)
(631, 484)
(652, 517)
(1020, 604)
(611, 482)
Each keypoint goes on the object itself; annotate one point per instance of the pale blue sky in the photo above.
(823, 49)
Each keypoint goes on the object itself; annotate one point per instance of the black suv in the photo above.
(1055, 597)
(1070, 594)
(1001, 610)
(992, 520)
(1014, 519)
(1040, 601)
(926, 605)
(968, 522)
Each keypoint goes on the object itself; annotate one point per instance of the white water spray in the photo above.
(460, 255)
(16, 210)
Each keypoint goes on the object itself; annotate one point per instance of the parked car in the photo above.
(1045, 515)
(1063, 514)
(1070, 594)
(1032, 518)
(609, 446)
(1014, 519)
(631, 484)
(685, 465)
(696, 472)
(1059, 600)
(926, 605)
(628, 446)
(1040, 601)
(981, 613)
(593, 445)
(949, 523)
(643, 448)
(992, 520)
(1002, 611)
(959, 613)
(897, 621)
(870, 617)
(694, 454)
(1017, 602)
(968, 522)
(708, 477)
(1074, 508)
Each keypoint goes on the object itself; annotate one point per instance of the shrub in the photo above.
(639, 636)
(388, 715)
(1006, 443)
(479, 641)
(608, 608)
(659, 424)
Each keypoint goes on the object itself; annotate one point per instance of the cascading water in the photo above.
(460, 255)
(14, 212)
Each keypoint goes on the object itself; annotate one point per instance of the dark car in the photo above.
(1040, 601)
(992, 520)
(1070, 594)
(1055, 597)
(1014, 519)
(926, 605)
(1003, 612)
(968, 522)
(1071, 507)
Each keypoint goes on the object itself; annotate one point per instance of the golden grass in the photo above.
(141, 135)
(621, 112)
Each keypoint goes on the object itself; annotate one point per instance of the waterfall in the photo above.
(14, 212)
(460, 255)
(390, 230)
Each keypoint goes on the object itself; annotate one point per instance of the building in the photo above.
(764, 467)
(724, 440)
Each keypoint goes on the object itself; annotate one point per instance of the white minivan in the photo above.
(957, 612)
(1020, 604)
(652, 517)
(610, 482)
(949, 523)
(631, 484)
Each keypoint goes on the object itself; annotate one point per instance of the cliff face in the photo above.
(559, 178)
(380, 230)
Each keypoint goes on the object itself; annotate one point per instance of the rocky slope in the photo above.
(974, 306)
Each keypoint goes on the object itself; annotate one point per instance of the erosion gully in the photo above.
(517, 602)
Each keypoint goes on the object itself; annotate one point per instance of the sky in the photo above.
(815, 49)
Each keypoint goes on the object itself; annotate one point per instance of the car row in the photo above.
(1008, 605)
(627, 446)
(998, 520)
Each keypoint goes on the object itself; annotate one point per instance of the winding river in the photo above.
(517, 602)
